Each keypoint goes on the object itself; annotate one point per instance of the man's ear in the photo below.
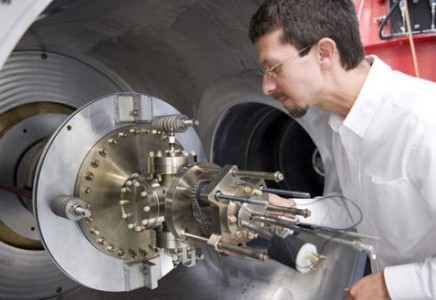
(326, 50)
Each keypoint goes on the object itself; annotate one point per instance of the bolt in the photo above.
(94, 230)
(159, 153)
(122, 135)
(121, 253)
(87, 190)
(123, 190)
(146, 208)
(89, 176)
(136, 183)
(144, 194)
(151, 154)
(138, 228)
(95, 163)
(112, 142)
(129, 183)
(110, 248)
(232, 219)
(103, 152)
(101, 241)
(81, 212)
(124, 202)
(248, 189)
(257, 192)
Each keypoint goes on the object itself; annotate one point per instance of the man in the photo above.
(383, 127)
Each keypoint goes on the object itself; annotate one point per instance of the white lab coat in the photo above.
(385, 157)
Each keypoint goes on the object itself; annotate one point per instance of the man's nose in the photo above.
(268, 85)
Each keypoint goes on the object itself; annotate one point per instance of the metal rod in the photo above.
(246, 252)
(195, 237)
(278, 220)
(293, 194)
(289, 210)
(276, 176)
(221, 196)
(262, 232)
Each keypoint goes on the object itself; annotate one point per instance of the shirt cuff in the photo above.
(406, 282)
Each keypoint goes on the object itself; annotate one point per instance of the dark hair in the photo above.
(305, 22)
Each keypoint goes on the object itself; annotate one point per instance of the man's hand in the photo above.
(371, 287)
(279, 201)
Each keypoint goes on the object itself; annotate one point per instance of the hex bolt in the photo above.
(101, 240)
(103, 152)
(89, 176)
(95, 163)
(121, 253)
(94, 230)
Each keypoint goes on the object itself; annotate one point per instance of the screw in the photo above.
(89, 176)
(95, 163)
(101, 241)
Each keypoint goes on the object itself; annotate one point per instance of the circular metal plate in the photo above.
(57, 174)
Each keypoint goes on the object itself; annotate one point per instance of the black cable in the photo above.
(384, 21)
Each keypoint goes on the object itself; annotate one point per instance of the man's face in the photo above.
(289, 78)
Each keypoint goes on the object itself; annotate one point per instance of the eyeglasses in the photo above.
(273, 70)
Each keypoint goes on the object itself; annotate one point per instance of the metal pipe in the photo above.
(276, 176)
(289, 210)
(262, 232)
(293, 194)
(246, 252)
(221, 196)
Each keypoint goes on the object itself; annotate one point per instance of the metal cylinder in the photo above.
(70, 207)
(276, 176)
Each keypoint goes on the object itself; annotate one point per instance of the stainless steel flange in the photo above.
(57, 173)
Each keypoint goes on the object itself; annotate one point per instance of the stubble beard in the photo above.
(297, 112)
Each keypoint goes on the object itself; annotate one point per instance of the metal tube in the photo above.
(244, 251)
(221, 196)
(289, 210)
(276, 176)
(293, 194)
(262, 232)
(278, 220)
(195, 237)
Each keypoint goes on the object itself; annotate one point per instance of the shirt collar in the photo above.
(365, 107)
